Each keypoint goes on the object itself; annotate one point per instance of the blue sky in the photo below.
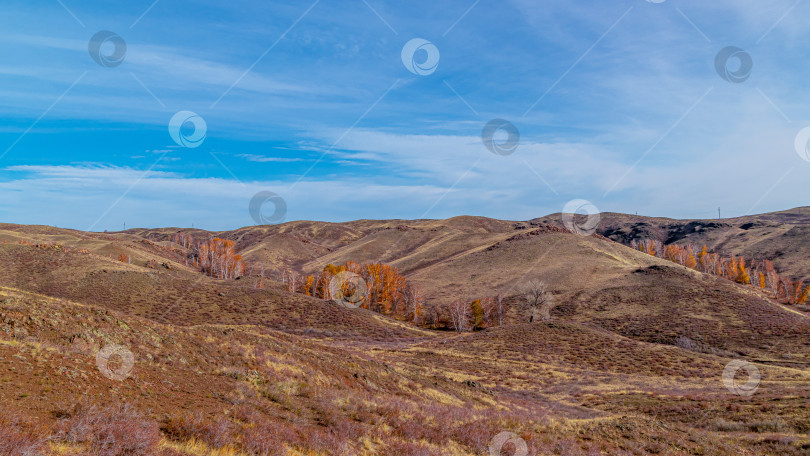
(618, 103)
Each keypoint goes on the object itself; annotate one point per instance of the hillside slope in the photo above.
(563, 388)
(781, 237)
(174, 293)
(633, 360)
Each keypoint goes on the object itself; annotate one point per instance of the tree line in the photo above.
(761, 274)
(381, 288)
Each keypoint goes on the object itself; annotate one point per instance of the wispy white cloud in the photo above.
(169, 67)
(265, 159)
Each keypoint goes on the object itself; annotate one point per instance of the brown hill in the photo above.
(632, 361)
(778, 236)
(564, 388)
(170, 292)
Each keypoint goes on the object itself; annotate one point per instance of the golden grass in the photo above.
(65, 449)
(194, 447)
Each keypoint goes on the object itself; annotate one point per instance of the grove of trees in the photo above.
(215, 257)
(464, 315)
(761, 274)
(384, 290)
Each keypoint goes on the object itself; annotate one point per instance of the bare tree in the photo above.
(659, 249)
(459, 311)
(414, 302)
(500, 308)
(260, 282)
(772, 282)
(291, 280)
(432, 315)
(539, 299)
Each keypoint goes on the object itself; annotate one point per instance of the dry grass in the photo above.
(214, 390)
(630, 365)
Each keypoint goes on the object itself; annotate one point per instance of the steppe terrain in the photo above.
(638, 356)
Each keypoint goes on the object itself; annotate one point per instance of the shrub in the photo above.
(722, 425)
(215, 434)
(414, 449)
(113, 431)
(268, 438)
(15, 440)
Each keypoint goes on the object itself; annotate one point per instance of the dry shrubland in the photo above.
(628, 362)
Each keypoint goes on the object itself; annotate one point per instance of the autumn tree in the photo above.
(309, 285)
(796, 290)
(477, 314)
(734, 268)
(217, 258)
(489, 307)
(690, 261)
(741, 274)
(702, 258)
(384, 289)
(803, 296)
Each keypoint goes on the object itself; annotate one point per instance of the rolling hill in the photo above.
(634, 359)
(778, 236)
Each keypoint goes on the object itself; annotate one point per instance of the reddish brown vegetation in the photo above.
(110, 431)
(17, 436)
(216, 434)
(528, 235)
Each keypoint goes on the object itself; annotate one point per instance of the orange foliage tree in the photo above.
(215, 257)
(386, 290)
(736, 269)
